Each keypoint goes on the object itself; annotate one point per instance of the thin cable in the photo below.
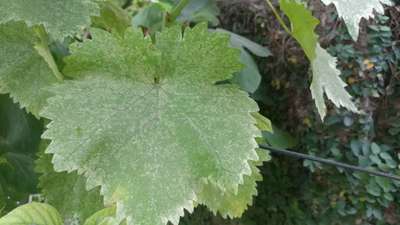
(328, 162)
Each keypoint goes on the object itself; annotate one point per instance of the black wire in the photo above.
(328, 162)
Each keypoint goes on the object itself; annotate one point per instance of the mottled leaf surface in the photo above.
(60, 17)
(352, 11)
(66, 191)
(326, 78)
(147, 123)
(32, 214)
(24, 73)
(230, 204)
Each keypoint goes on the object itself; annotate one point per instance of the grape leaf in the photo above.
(104, 217)
(325, 74)
(230, 204)
(31, 214)
(238, 41)
(326, 80)
(249, 78)
(352, 11)
(200, 11)
(150, 17)
(148, 123)
(112, 17)
(24, 73)
(60, 18)
(66, 191)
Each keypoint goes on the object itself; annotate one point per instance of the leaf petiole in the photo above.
(278, 17)
(42, 47)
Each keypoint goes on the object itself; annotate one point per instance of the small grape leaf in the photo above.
(105, 216)
(60, 18)
(32, 213)
(352, 11)
(200, 11)
(230, 204)
(24, 73)
(249, 78)
(150, 17)
(66, 191)
(112, 17)
(325, 74)
(328, 81)
(148, 124)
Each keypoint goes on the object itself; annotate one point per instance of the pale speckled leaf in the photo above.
(230, 204)
(60, 17)
(32, 214)
(325, 75)
(326, 80)
(66, 191)
(148, 124)
(23, 71)
(352, 11)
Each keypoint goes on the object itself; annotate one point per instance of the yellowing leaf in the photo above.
(33, 213)
(230, 204)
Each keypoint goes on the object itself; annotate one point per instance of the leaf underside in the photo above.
(326, 78)
(352, 11)
(147, 123)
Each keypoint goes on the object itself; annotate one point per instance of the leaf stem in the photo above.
(177, 10)
(42, 47)
(278, 17)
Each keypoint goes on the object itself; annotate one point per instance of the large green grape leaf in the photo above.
(230, 204)
(148, 124)
(66, 191)
(32, 214)
(352, 11)
(326, 78)
(60, 17)
(19, 140)
(24, 73)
